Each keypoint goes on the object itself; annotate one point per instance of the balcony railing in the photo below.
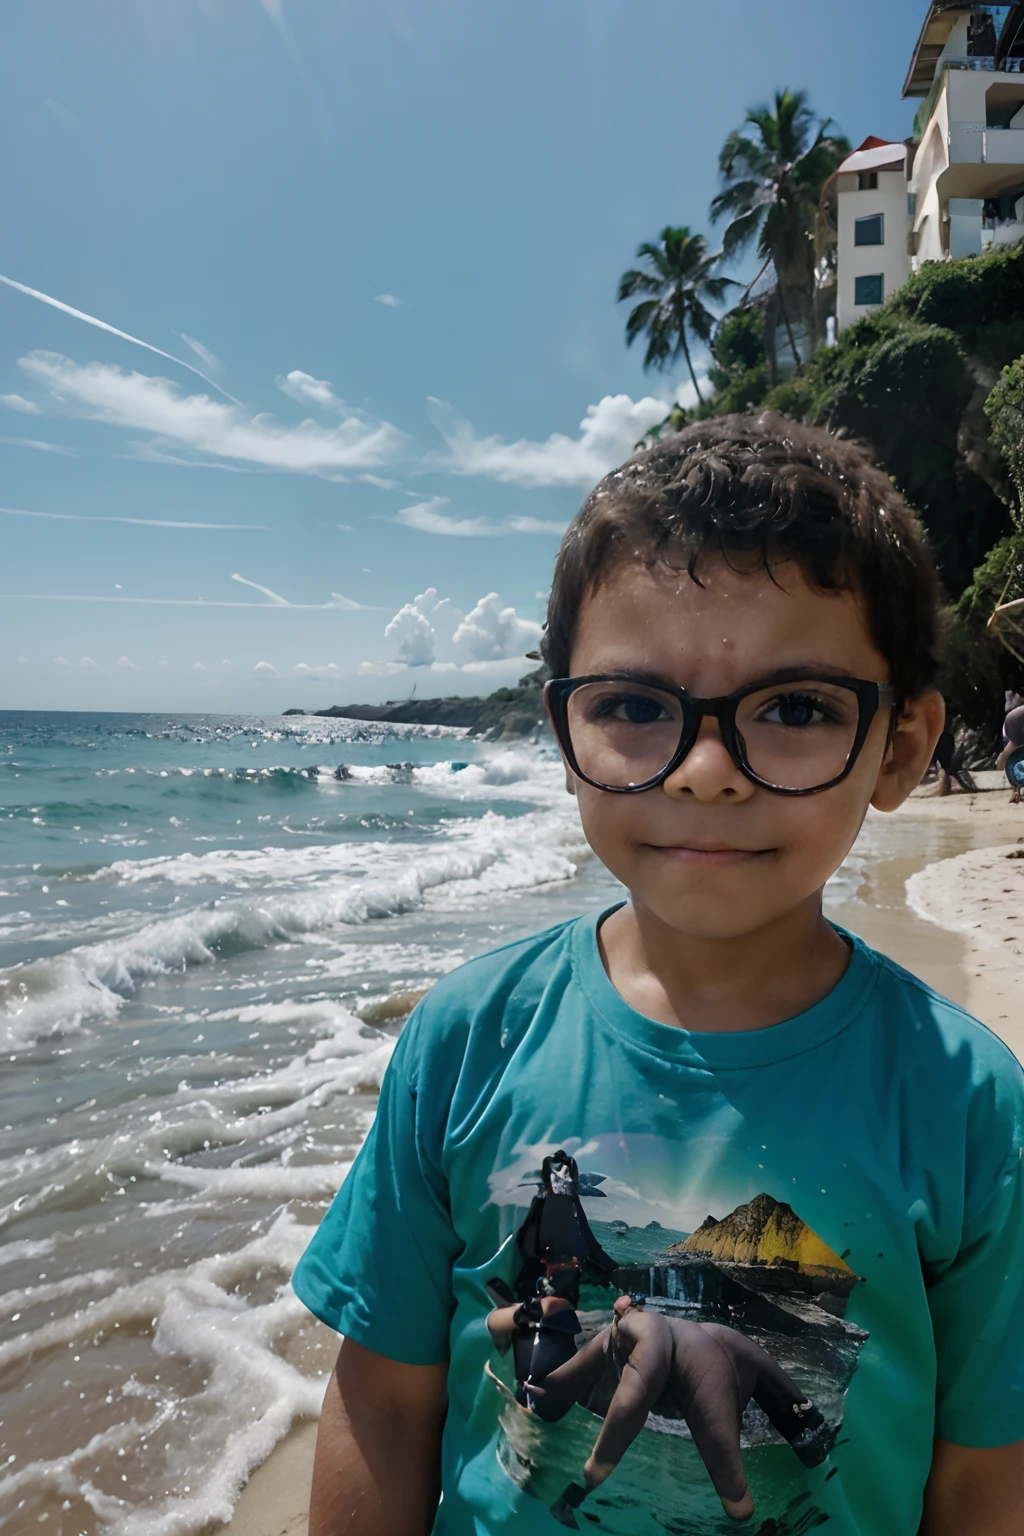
(978, 144)
(987, 62)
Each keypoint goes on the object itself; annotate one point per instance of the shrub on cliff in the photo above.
(1005, 410)
(977, 667)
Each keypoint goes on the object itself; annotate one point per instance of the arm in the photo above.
(975, 1492)
(377, 1470)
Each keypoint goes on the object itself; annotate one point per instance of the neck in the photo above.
(749, 981)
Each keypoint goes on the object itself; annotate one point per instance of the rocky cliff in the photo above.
(765, 1232)
(508, 713)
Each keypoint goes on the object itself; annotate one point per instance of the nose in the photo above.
(707, 772)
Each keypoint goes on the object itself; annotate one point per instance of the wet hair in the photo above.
(758, 491)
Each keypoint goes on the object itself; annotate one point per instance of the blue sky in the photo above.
(388, 232)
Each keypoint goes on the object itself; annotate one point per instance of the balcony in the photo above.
(978, 144)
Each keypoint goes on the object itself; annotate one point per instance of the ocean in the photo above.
(209, 930)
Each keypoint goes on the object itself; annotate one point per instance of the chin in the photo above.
(703, 916)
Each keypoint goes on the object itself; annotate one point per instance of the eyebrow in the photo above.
(801, 673)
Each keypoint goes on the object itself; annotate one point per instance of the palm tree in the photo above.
(678, 280)
(772, 179)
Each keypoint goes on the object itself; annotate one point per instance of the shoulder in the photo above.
(939, 1030)
(486, 1000)
(964, 1080)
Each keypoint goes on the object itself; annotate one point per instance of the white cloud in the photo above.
(275, 597)
(264, 670)
(151, 404)
(608, 434)
(429, 624)
(426, 517)
(316, 674)
(493, 633)
(344, 527)
(79, 314)
(38, 445)
(86, 661)
(309, 391)
(227, 663)
(198, 667)
(389, 300)
(205, 356)
(163, 663)
(124, 665)
(382, 484)
(19, 403)
(338, 604)
(416, 627)
(23, 661)
(139, 522)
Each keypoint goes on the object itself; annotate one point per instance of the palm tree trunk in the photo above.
(789, 330)
(750, 285)
(689, 364)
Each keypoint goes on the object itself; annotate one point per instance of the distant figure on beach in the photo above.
(1013, 728)
(948, 766)
(644, 1362)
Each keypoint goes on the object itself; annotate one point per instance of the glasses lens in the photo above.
(623, 733)
(800, 735)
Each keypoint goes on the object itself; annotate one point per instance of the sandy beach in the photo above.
(948, 904)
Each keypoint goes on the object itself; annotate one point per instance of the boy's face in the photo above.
(708, 852)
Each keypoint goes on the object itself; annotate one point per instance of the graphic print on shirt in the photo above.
(648, 1378)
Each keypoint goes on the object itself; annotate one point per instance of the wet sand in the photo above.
(959, 926)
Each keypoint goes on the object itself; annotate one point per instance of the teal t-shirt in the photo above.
(824, 1219)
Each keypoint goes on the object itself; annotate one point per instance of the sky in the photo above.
(309, 347)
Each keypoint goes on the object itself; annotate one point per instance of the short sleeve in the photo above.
(977, 1302)
(379, 1268)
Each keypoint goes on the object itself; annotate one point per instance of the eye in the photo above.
(797, 711)
(633, 708)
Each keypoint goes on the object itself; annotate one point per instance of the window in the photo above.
(867, 290)
(867, 181)
(869, 231)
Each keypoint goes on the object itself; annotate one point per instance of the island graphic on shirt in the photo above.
(740, 1356)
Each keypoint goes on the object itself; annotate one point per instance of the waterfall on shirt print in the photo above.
(648, 1377)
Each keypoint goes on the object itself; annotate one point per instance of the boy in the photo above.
(699, 1215)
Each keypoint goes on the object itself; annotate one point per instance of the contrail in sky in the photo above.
(275, 597)
(78, 314)
(142, 522)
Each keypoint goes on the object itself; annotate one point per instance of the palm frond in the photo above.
(742, 230)
(640, 319)
(634, 282)
(736, 198)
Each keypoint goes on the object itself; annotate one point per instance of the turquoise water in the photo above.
(199, 923)
(201, 926)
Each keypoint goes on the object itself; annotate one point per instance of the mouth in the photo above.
(709, 855)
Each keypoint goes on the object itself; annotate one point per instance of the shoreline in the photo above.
(934, 905)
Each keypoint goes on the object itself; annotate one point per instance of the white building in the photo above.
(958, 186)
(967, 181)
(872, 228)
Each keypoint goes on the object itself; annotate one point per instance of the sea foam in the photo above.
(317, 889)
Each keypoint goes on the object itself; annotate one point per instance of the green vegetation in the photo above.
(773, 170)
(677, 283)
(932, 381)
(1005, 410)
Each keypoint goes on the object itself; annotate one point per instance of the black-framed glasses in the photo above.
(793, 734)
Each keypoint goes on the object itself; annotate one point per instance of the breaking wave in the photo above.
(315, 889)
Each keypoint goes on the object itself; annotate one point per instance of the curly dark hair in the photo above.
(760, 489)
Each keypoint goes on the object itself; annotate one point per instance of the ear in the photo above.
(570, 777)
(911, 749)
